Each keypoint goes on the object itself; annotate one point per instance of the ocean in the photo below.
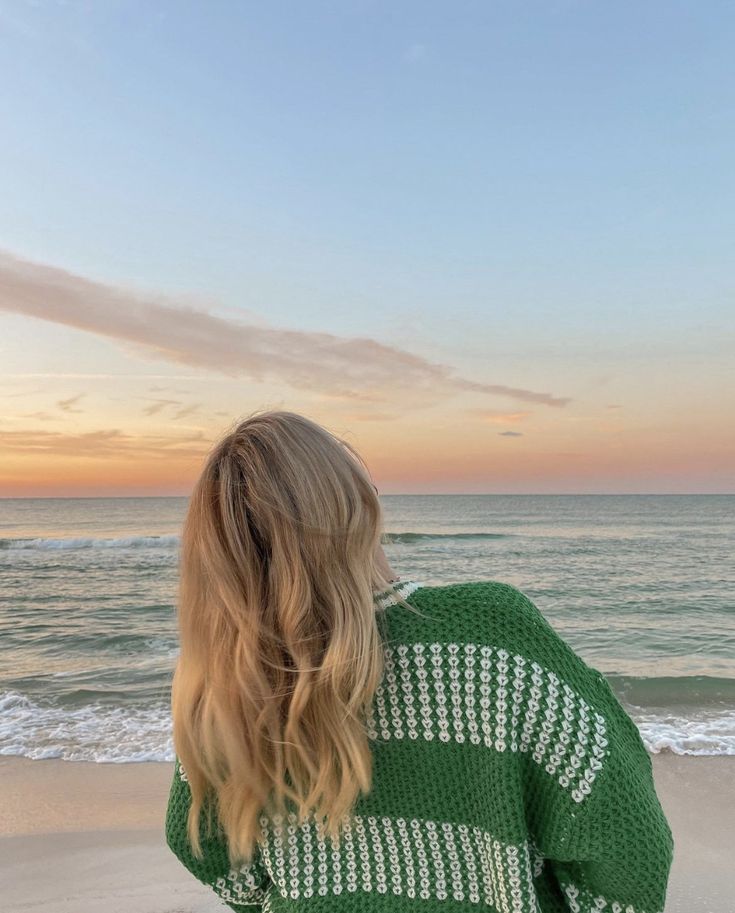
(641, 586)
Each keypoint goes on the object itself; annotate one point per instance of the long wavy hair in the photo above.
(280, 645)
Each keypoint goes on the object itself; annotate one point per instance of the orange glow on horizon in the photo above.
(427, 461)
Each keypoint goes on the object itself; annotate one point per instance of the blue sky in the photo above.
(484, 183)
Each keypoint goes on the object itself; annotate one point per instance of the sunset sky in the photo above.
(490, 244)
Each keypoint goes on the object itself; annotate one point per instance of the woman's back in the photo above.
(505, 774)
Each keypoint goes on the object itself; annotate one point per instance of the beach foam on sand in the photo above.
(79, 837)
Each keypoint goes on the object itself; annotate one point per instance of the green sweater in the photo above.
(506, 774)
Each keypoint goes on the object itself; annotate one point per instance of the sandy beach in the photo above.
(82, 837)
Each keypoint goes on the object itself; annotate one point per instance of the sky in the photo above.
(489, 244)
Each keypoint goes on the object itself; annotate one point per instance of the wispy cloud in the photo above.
(191, 409)
(174, 390)
(354, 368)
(67, 405)
(41, 416)
(159, 404)
(510, 433)
(105, 443)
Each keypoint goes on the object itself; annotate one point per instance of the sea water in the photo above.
(641, 586)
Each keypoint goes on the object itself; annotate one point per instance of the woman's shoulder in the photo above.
(504, 619)
(468, 593)
(483, 607)
(491, 612)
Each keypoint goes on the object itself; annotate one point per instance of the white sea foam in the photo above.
(171, 541)
(90, 733)
(131, 734)
(710, 733)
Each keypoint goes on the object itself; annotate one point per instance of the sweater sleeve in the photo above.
(242, 889)
(608, 842)
(619, 844)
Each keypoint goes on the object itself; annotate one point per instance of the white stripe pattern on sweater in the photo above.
(484, 694)
(583, 901)
(416, 857)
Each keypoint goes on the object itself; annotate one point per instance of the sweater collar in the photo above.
(387, 595)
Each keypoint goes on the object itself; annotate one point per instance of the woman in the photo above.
(345, 738)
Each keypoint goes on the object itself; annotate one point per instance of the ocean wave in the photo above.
(104, 733)
(93, 732)
(700, 692)
(172, 541)
(712, 734)
(76, 543)
(409, 537)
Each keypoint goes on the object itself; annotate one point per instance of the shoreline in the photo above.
(79, 835)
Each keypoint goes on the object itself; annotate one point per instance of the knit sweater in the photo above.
(506, 776)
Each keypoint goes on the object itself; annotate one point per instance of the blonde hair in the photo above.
(280, 645)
